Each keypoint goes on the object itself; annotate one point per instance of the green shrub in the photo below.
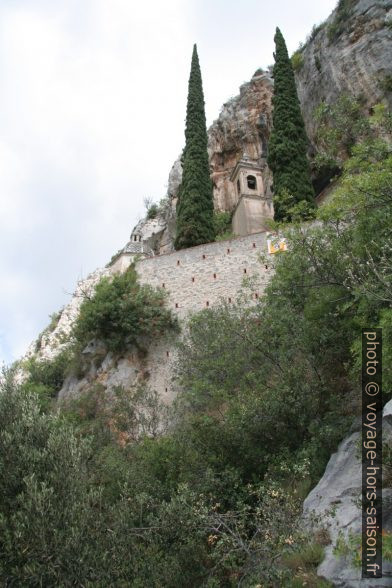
(152, 211)
(297, 60)
(47, 506)
(222, 225)
(310, 555)
(339, 24)
(386, 83)
(46, 376)
(122, 312)
(339, 126)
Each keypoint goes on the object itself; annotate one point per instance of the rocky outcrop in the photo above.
(356, 60)
(242, 128)
(52, 342)
(334, 504)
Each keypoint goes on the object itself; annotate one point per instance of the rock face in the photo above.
(242, 128)
(54, 341)
(358, 61)
(334, 502)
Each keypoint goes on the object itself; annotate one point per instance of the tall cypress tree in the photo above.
(288, 142)
(195, 207)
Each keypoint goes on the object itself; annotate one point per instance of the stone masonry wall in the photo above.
(195, 279)
(199, 277)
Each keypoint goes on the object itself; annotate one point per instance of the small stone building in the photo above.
(254, 207)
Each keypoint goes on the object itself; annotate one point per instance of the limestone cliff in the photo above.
(242, 127)
(349, 53)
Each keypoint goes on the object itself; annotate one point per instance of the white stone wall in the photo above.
(199, 277)
(218, 271)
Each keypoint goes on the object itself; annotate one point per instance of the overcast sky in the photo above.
(92, 109)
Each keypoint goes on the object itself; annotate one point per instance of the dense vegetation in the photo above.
(293, 191)
(122, 312)
(195, 207)
(94, 496)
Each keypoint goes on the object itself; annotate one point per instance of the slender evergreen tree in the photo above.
(195, 205)
(288, 142)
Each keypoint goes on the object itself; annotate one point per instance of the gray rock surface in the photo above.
(334, 504)
(55, 341)
(175, 178)
(357, 62)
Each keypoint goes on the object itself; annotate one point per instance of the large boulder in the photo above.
(335, 504)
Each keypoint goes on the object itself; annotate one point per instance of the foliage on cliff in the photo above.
(195, 224)
(343, 12)
(46, 377)
(121, 312)
(339, 127)
(288, 142)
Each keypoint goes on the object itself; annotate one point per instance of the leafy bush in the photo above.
(222, 225)
(152, 211)
(46, 377)
(339, 127)
(47, 507)
(297, 60)
(122, 312)
(386, 83)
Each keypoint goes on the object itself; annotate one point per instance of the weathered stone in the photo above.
(358, 62)
(242, 128)
(175, 178)
(335, 504)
